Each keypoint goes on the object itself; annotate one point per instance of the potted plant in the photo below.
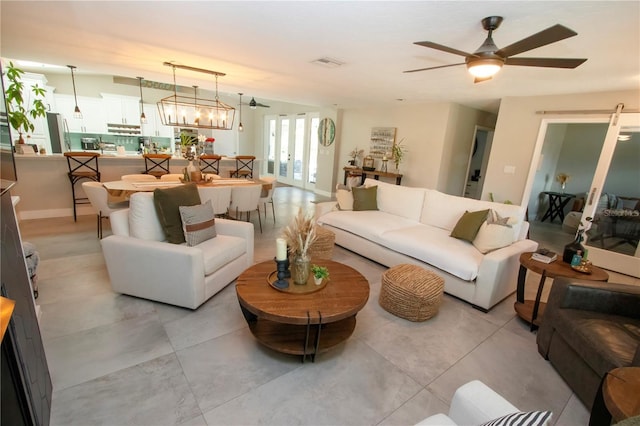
(397, 153)
(319, 273)
(20, 111)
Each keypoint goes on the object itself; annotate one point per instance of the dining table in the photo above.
(123, 189)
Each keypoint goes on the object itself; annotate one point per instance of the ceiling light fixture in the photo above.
(622, 137)
(143, 118)
(253, 104)
(484, 67)
(182, 111)
(240, 126)
(76, 111)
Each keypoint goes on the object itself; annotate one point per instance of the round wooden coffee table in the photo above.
(532, 310)
(302, 324)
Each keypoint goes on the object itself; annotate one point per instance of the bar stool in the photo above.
(210, 164)
(156, 164)
(82, 165)
(244, 166)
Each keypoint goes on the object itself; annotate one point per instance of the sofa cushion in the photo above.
(367, 224)
(443, 210)
(220, 251)
(167, 202)
(143, 218)
(469, 224)
(365, 198)
(603, 340)
(402, 201)
(345, 199)
(198, 223)
(451, 255)
(492, 237)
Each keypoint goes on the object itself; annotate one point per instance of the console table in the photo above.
(557, 203)
(376, 174)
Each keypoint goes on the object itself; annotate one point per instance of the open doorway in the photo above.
(478, 160)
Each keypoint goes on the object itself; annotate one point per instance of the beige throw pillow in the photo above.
(198, 223)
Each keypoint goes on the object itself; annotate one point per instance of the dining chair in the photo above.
(269, 184)
(210, 163)
(244, 166)
(156, 164)
(175, 177)
(99, 199)
(220, 197)
(82, 165)
(138, 177)
(245, 199)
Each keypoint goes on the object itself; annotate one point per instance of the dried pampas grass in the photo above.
(300, 233)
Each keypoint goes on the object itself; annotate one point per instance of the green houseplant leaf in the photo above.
(19, 111)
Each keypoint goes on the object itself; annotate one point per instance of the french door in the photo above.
(291, 148)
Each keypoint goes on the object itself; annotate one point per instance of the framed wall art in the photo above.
(382, 140)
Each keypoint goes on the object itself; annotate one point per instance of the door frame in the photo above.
(485, 160)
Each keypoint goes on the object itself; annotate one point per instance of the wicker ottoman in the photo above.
(411, 292)
(322, 247)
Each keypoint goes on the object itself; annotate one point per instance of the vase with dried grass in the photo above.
(300, 234)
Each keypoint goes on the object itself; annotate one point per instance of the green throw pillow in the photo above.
(365, 198)
(469, 224)
(168, 202)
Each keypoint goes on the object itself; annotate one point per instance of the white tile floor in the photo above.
(117, 360)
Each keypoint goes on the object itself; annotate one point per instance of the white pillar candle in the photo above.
(281, 249)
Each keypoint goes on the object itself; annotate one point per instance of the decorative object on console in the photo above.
(367, 164)
(563, 178)
(397, 152)
(299, 235)
(355, 154)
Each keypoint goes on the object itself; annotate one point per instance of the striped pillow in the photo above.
(198, 223)
(530, 418)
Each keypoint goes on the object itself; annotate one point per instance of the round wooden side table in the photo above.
(621, 392)
(532, 310)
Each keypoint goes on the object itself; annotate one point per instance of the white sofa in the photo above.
(476, 403)
(141, 263)
(412, 225)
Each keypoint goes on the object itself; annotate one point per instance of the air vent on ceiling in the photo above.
(327, 62)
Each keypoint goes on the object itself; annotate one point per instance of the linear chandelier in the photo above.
(198, 113)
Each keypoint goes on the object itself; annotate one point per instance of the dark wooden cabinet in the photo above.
(26, 383)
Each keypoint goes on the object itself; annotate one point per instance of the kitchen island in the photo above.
(45, 191)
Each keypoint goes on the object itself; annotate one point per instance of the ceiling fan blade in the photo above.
(544, 37)
(546, 62)
(434, 68)
(481, 79)
(443, 48)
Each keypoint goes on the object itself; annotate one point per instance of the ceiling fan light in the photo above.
(253, 104)
(484, 68)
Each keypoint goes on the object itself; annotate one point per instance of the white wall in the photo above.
(517, 130)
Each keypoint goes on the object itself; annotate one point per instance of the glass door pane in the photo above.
(271, 145)
(283, 160)
(298, 151)
(614, 231)
(313, 150)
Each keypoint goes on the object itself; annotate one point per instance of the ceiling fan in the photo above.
(253, 104)
(488, 59)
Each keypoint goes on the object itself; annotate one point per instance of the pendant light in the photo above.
(143, 118)
(253, 104)
(194, 112)
(240, 126)
(76, 111)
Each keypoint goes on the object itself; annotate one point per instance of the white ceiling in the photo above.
(266, 48)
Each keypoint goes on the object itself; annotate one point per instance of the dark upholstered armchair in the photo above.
(588, 329)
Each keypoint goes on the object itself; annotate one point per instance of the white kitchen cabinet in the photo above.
(92, 109)
(154, 126)
(121, 109)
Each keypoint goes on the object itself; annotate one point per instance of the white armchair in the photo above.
(475, 403)
(141, 263)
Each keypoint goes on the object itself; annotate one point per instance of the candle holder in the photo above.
(282, 266)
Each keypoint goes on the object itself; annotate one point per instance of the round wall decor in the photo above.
(326, 131)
